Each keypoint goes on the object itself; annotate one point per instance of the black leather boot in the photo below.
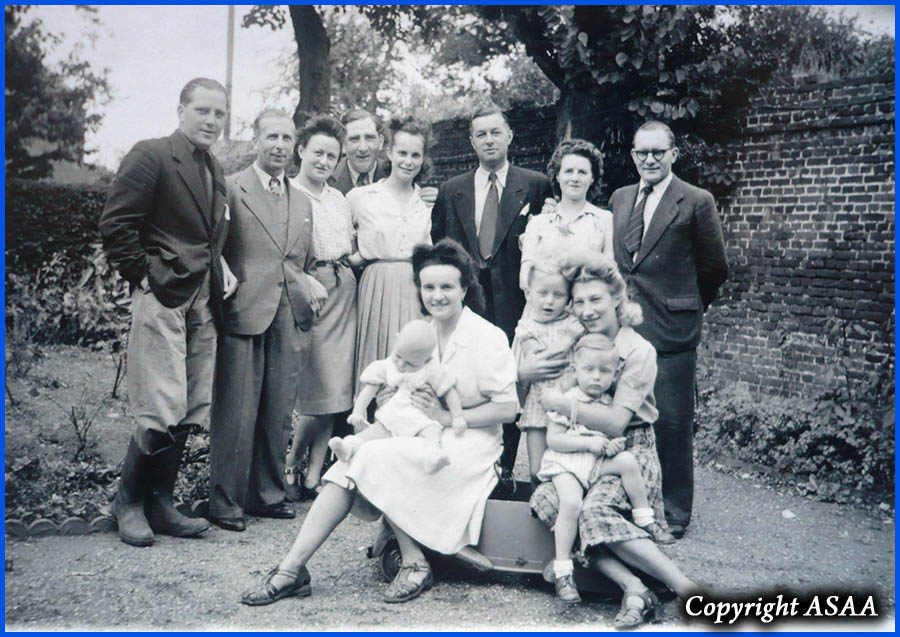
(128, 507)
(162, 515)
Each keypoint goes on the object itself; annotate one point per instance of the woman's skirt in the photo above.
(387, 301)
(327, 381)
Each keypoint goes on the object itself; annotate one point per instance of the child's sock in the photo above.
(642, 517)
(561, 568)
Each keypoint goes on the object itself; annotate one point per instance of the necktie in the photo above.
(489, 218)
(363, 180)
(203, 171)
(634, 232)
(275, 186)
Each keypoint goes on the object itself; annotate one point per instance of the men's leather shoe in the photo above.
(677, 530)
(282, 510)
(229, 524)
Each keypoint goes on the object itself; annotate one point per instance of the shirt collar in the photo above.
(481, 175)
(191, 145)
(659, 188)
(588, 209)
(265, 177)
(354, 176)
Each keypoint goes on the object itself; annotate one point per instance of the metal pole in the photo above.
(229, 63)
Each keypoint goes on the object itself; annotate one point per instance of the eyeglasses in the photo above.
(657, 154)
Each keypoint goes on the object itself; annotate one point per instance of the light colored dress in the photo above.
(578, 463)
(547, 234)
(398, 415)
(326, 386)
(558, 335)
(386, 236)
(442, 511)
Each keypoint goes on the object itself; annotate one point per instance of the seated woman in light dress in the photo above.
(442, 511)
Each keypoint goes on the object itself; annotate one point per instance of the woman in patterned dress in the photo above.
(326, 388)
(390, 218)
(607, 536)
(573, 225)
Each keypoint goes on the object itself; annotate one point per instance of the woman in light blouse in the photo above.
(326, 387)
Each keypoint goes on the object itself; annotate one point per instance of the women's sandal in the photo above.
(631, 615)
(267, 593)
(402, 590)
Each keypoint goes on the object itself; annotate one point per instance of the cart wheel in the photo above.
(390, 560)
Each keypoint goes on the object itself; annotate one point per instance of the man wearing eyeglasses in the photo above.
(668, 243)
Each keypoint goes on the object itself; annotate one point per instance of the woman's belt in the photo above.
(337, 264)
(398, 260)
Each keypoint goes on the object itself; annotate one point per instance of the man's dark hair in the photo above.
(360, 113)
(201, 82)
(484, 111)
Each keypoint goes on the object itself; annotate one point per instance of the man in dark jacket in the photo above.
(164, 226)
(668, 244)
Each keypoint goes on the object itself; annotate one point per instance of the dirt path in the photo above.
(739, 543)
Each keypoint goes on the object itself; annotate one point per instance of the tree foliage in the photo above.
(48, 109)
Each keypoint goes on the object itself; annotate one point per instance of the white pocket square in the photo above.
(524, 210)
(227, 213)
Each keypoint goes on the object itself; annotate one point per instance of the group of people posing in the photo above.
(502, 301)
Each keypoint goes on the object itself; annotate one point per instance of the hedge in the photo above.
(43, 219)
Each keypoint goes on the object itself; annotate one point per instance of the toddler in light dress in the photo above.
(577, 456)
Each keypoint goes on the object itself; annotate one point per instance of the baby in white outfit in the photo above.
(410, 367)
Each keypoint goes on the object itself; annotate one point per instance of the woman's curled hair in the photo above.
(585, 267)
(582, 148)
(449, 252)
(413, 126)
(321, 125)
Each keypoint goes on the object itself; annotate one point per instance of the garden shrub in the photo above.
(71, 299)
(43, 219)
(829, 437)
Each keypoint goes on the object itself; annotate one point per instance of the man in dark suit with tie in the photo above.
(361, 164)
(264, 342)
(668, 244)
(164, 226)
(485, 210)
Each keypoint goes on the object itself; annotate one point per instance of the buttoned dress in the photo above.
(386, 235)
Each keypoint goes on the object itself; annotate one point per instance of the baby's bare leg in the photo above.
(570, 497)
(345, 448)
(536, 443)
(435, 457)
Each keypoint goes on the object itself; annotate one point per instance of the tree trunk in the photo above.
(315, 73)
(576, 116)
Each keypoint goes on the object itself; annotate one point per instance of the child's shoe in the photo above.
(565, 589)
(659, 534)
(343, 448)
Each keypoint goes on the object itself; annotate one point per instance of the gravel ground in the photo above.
(739, 543)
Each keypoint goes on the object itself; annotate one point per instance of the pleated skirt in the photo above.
(387, 300)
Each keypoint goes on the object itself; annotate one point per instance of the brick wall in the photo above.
(809, 230)
(810, 237)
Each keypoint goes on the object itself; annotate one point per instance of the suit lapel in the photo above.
(253, 197)
(297, 220)
(464, 205)
(665, 212)
(220, 195)
(621, 211)
(188, 171)
(510, 204)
